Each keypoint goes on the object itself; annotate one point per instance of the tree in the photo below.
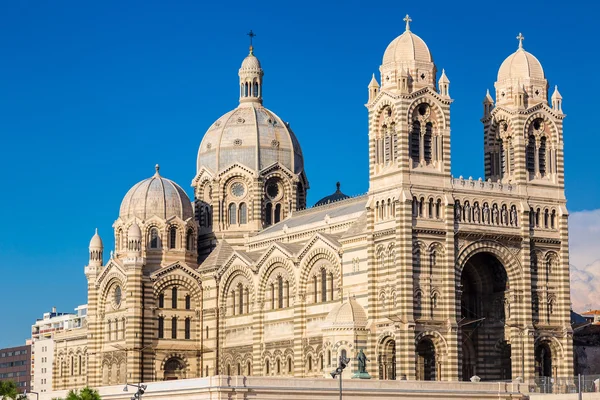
(84, 394)
(9, 390)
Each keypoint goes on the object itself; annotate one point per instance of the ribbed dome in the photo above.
(156, 196)
(246, 132)
(134, 231)
(250, 63)
(521, 65)
(332, 198)
(349, 314)
(407, 47)
(96, 241)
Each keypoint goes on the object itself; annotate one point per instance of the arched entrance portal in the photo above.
(387, 359)
(543, 360)
(174, 369)
(426, 362)
(484, 311)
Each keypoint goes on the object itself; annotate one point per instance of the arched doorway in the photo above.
(426, 361)
(484, 311)
(387, 359)
(174, 369)
(543, 360)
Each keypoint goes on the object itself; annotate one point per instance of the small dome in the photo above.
(521, 65)
(156, 196)
(349, 314)
(250, 63)
(336, 196)
(134, 231)
(96, 241)
(407, 47)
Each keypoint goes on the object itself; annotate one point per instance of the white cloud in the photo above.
(584, 246)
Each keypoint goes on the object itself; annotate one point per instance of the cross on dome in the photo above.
(520, 38)
(251, 35)
(408, 20)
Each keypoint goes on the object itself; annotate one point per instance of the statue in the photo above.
(513, 216)
(476, 213)
(362, 366)
(362, 362)
(495, 215)
(486, 213)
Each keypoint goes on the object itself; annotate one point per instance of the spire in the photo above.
(520, 38)
(488, 98)
(408, 21)
(444, 85)
(96, 249)
(251, 74)
(556, 94)
(444, 78)
(251, 35)
(157, 168)
(556, 100)
(373, 83)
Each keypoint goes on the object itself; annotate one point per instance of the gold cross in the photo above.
(408, 21)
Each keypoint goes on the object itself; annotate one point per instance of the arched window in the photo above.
(267, 365)
(161, 327)
(188, 327)
(207, 332)
(154, 238)
(330, 286)
(430, 209)
(530, 154)
(289, 365)
(174, 297)
(173, 237)
(79, 364)
(321, 360)
(546, 218)
(243, 213)
(246, 89)
(241, 298)
(427, 140)
(188, 302)
(174, 328)
(249, 368)
(421, 207)
(161, 300)
(255, 94)
(232, 217)
(280, 292)
(277, 216)
(323, 285)
(239, 369)
(309, 362)
(344, 353)
(329, 357)
(553, 219)
(268, 214)
(272, 296)
(189, 240)
(542, 155)
(438, 209)
(278, 366)
(315, 289)
(415, 137)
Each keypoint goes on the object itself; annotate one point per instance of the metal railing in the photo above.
(568, 384)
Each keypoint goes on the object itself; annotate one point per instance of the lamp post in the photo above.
(339, 371)
(141, 389)
(37, 395)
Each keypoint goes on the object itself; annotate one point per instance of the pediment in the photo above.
(176, 266)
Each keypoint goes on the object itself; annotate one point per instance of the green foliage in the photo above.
(8, 390)
(84, 394)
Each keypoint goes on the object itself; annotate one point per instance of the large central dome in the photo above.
(250, 135)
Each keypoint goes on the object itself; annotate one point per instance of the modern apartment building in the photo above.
(15, 366)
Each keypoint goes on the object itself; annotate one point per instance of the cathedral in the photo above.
(433, 277)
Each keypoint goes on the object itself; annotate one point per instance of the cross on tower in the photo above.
(408, 21)
(252, 35)
(520, 38)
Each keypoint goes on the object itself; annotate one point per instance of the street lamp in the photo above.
(141, 389)
(339, 371)
(37, 395)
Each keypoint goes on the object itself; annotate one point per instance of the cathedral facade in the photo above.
(434, 277)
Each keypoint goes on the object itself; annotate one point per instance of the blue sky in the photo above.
(94, 94)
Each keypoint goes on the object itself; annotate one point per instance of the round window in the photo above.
(118, 295)
(238, 189)
(272, 190)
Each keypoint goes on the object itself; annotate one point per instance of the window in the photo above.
(415, 137)
(323, 285)
(249, 368)
(188, 302)
(267, 366)
(328, 357)
(309, 363)
(161, 300)
(174, 297)
(154, 238)
(174, 328)
(268, 212)
(243, 213)
(530, 154)
(280, 292)
(542, 155)
(427, 139)
(161, 327)
(189, 240)
(277, 217)
(232, 218)
(188, 326)
(172, 238)
(241, 296)
(207, 332)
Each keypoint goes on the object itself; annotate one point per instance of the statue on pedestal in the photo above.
(362, 366)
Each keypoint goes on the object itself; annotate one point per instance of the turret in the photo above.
(444, 85)
(96, 250)
(134, 240)
(557, 100)
(251, 77)
(373, 89)
(488, 104)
